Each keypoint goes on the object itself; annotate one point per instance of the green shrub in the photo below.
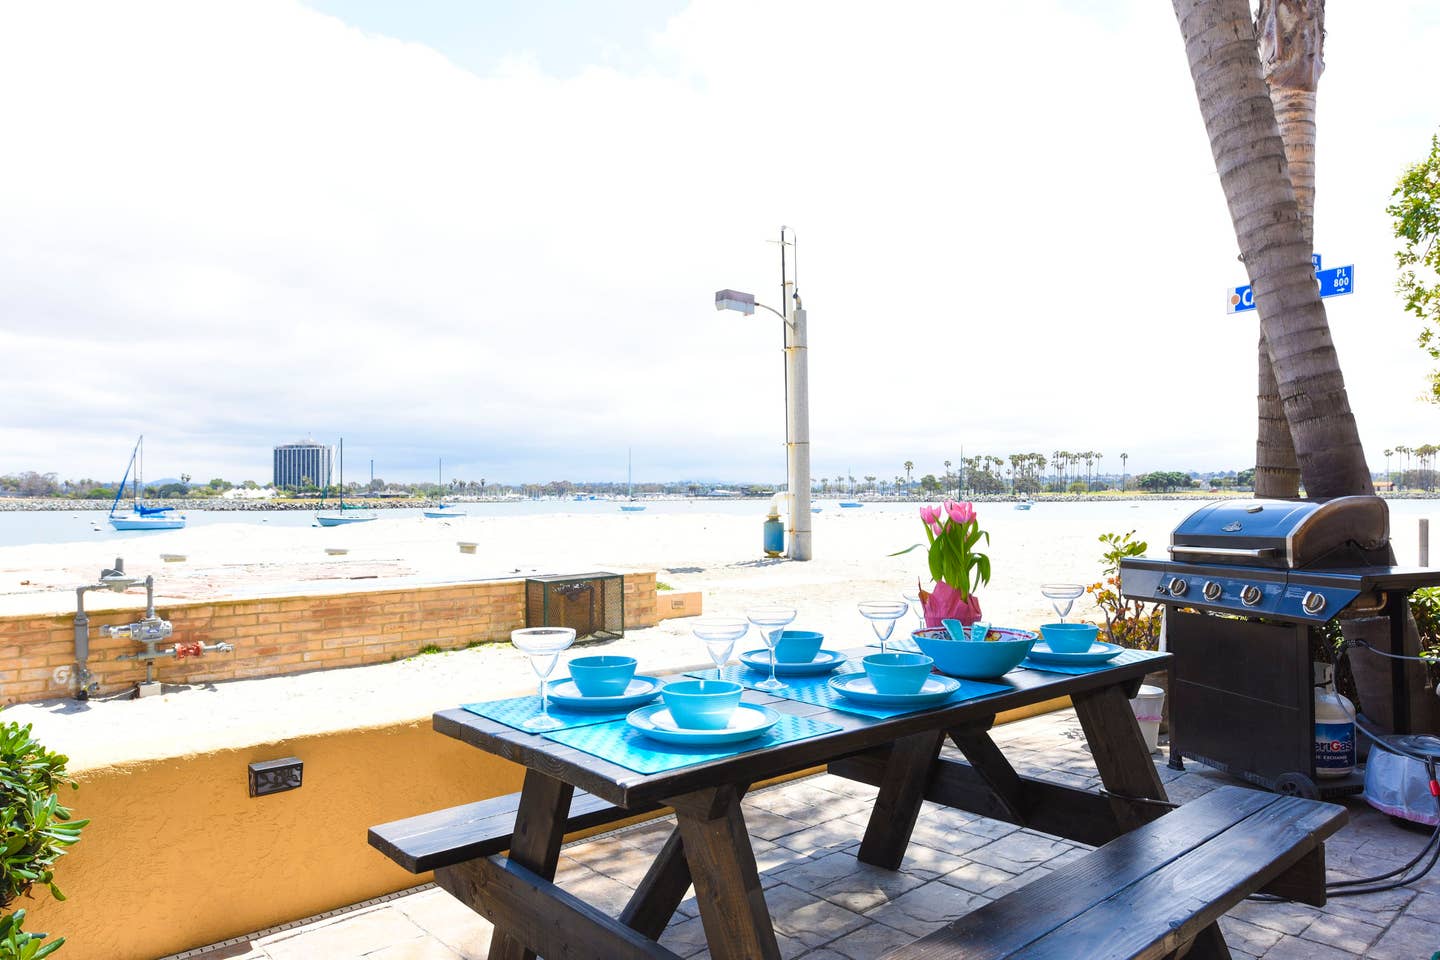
(34, 830)
(16, 944)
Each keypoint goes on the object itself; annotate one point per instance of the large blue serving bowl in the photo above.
(1069, 637)
(701, 704)
(606, 675)
(975, 660)
(797, 646)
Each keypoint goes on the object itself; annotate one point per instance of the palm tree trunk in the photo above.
(1250, 158)
(1291, 42)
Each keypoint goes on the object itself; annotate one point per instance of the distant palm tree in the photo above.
(1388, 477)
(909, 466)
(1124, 469)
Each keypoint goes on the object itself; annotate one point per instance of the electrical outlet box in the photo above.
(275, 776)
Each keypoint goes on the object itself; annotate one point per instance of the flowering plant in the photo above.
(957, 568)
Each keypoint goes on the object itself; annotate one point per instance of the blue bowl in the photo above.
(701, 704)
(897, 673)
(1069, 637)
(797, 646)
(975, 660)
(602, 676)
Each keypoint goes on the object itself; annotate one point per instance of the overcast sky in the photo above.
(492, 232)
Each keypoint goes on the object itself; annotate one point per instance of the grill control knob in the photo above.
(1250, 595)
(1212, 590)
(1313, 602)
(1177, 587)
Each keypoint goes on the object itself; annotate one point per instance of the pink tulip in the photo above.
(928, 516)
(946, 603)
(962, 512)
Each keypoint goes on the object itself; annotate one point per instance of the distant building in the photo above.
(298, 464)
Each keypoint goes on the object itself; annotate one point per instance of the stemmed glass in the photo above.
(912, 598)
(1062, 596)
(719, 635)
(771, 620)
(882, 615)
(543, 646)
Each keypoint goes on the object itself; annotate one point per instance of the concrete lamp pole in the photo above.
(797, 398)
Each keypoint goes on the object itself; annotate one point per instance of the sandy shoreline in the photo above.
(716, 553)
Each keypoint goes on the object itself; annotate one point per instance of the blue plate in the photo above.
(824, 662)
(564, 693)
(750, 721)
(1099, 652)
(857, 687)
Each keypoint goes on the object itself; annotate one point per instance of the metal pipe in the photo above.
(1424, 541)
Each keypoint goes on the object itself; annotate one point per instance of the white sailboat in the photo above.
(631, 507)
(347, 513)
(141, 516)
(442, 509)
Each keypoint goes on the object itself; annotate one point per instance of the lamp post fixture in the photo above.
(797, 397)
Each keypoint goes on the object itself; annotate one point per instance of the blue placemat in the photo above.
(817, 691)
(1120, 660)
(515, 711)
(621, 743)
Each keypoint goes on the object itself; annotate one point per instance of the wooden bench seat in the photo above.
(1156, 891)
(447, 837)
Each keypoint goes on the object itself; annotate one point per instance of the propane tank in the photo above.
(1334, 726)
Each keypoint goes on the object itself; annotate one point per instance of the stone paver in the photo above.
(826, 906)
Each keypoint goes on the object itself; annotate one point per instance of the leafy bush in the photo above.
(34, 830)
(16, 944)
(1129, 623)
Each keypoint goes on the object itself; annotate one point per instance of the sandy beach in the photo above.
(716, 551)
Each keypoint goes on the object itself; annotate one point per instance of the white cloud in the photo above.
(233, 224)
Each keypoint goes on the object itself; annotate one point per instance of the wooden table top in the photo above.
(624, 787)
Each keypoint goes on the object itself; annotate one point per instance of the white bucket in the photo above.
(1147, 705)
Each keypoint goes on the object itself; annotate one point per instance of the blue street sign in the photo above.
(1334, 282)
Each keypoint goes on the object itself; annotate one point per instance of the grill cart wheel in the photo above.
(1296, 785)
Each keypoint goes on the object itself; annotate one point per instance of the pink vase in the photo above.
(945, 603)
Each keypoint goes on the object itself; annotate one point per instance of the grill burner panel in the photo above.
(1293, 595)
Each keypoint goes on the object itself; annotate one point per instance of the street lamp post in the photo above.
(797, 397)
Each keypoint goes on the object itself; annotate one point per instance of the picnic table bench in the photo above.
(566, 790)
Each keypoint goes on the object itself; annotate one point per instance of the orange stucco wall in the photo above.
(179, 855)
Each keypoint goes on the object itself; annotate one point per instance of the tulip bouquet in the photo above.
(955, 565)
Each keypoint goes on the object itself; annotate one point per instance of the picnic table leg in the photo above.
(662, 888)
(727, 882)
(902, 790)
(987, 760)
(1124, 764)
(539, 832)
(1209, 944)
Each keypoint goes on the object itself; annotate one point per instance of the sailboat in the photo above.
(442, 509)
(348, 513)
(142, 517)
(631, 507)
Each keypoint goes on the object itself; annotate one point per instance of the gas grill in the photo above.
(1246, 584)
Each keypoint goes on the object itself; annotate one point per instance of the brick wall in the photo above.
(278, 636)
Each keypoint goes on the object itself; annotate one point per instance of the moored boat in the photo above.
(141, 515)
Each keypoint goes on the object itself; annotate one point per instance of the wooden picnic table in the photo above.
(711, 847)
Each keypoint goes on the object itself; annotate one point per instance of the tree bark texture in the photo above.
(1250, 159)
(1291, 45)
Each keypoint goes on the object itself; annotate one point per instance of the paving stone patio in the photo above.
(827, 906)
